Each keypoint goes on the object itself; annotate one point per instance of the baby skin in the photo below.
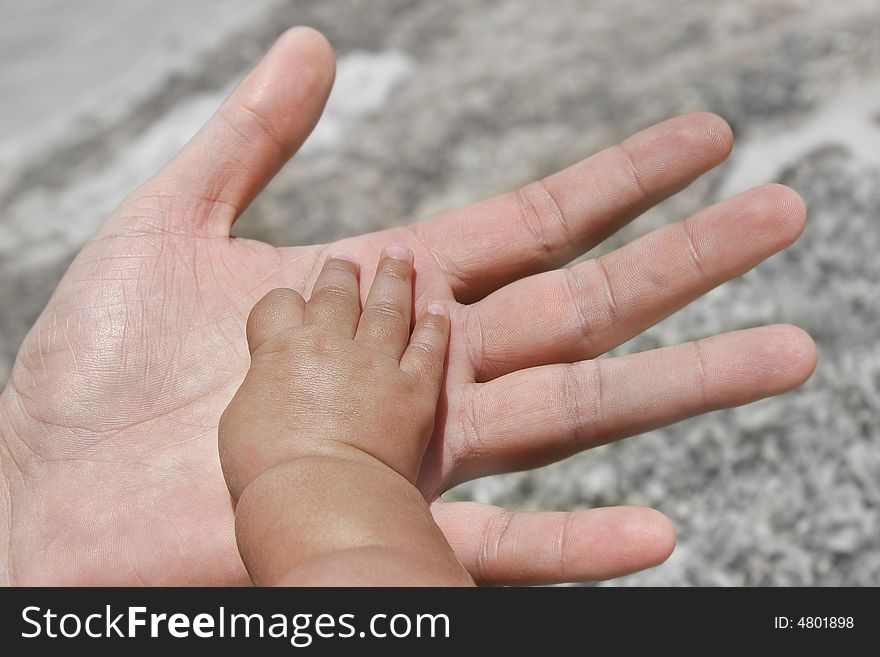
(322, 444)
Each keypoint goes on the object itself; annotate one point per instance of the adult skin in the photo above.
(109, 419)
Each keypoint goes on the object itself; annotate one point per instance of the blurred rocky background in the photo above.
(441, 103)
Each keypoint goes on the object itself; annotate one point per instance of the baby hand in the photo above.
(326, 376)
(323, 441)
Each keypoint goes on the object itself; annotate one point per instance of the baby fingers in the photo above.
(335, 304)
(426, 353)
(384, 324)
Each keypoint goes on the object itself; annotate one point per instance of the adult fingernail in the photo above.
(398, 252)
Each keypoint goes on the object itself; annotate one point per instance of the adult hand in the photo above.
(109, 420)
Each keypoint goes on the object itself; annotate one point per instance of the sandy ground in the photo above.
(439, 104)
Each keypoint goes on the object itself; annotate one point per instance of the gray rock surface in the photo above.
(440, 104)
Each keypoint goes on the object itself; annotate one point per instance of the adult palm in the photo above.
(109, 421)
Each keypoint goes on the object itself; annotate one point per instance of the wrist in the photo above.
(322, 510)
(305, 507)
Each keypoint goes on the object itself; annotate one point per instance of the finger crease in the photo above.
(633, 170)
(386, 309)
(563, 543)
(494, 536)
(693, 251)
(611, 300)
(265, 126)
(473, 440)
(571, 394)
(703, 374)
(475, 347)
(335, 292)
(530, 218)
(585, 325)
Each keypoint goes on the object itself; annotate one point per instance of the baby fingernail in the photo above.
(436, 308)
(342, 255)
(398, 252)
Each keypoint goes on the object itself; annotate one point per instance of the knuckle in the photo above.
(319, 345)
(399, 270)
(425, 358)
(333, 291)
(278, 296)
(387, 309)
(434, 324)
(422, 349)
